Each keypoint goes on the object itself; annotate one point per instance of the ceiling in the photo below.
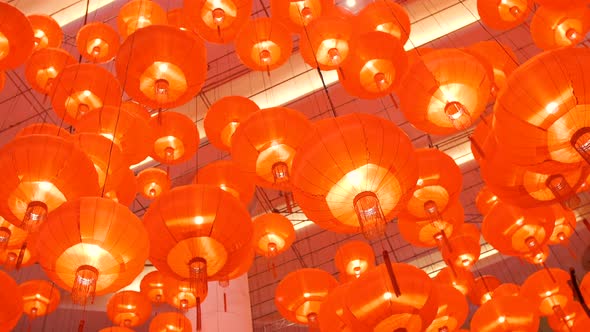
(435, 23)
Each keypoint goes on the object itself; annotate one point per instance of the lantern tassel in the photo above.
(21, 256)
(578, 292)
(394, 283)
(81, 325)
(224, 301)
(199, 323)
(393, 101)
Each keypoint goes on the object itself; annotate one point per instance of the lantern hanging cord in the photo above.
(576, 288)
(85, 21)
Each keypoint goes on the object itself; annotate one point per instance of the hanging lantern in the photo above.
(460, 279)
(264, 145)
(81, 88)
(263, 44)
(452, 309)
(375, 68)
(97, 42)
(334, 315)
(44, 66)
(122, 187)
(574, 319)
(170, 322)
(218, 21)
(297, 14)
(10, 235)
(428, 232)
(33, 189)
(549, 290)
(16, 37)
(499, 57)
(176, 138)
(183, 295)
(353, 259)
(300, 293)
(226, 175)
(40, 298)
(385, 16)
(506, 313)
(516, 231)
(444, 92)
(273, 234)
(223, 118)
(136, 109)
(504, 14)
(462, 248)
(556, 28)
(550, 123)
(153, 286)
(352, 172)
(104, 248)
(565, 225)
(483, 289)
(46, 31)
(138, 14)
(166, 76)
(129, 308)
(485, 200)
(19, 254)
(11, 302)
(325, 43)
(152, 182)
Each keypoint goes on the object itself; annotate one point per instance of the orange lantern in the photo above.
(428, 232)
(445, 92)
(504, 14)
(153, 286)
(565, 225)
(32, 189)
(40, 298)
(129, 132)
(548, 289)
(264, 144)
(373, 71)
(176, 138)
(550, 123)
(11, 302)
(226, 175)
(166, 76)
(499, 57)
(352, 173)
(439, 182)
(100, 247)
(517, 231)
(572, 318)
(223, 118)
(183, 295)
(16, 37)
(170, 322)
(452, 309)
(151, 182)
(44, 66)
(299, 295)
(218, 21)
(506, 313)
(386, 16)
(121, 187)
(296, 15)
(556, 28)
(97, 42)
(81, 88)
(483, 289)
(20, 254)
(334, 315)
(129, 308)
(263, 44)
(460, 279)
(462, 248)
(178, 18)
(325, 44)
(138, 14)
(46, 31)
(353, 259)
(485, 200)
(273, 234)
(10, 235)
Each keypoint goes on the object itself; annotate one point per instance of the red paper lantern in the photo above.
(223, 118)
(11, 302)
(138, 14)
(40, 298)
(218, 21)
(176, 138)
(548, 289)
(263, 44)
(153, 286)
(129, 308)
(296, 15)
(44, 66)
(506, 313)
(427, 232)
(504, 14)
(556, 28)
(482, 289)
(273, 234)
(97, 42)
(152, 182)
(353, 259)
(16, 37)
(170, 322)
(228, 176)
(46, 31)
(386, 16)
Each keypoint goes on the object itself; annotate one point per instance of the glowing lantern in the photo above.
(351, 173)
(549, 290)
(81, 88)
(153, 286)
(152, 182)
(226, 175)
(170, 322)
(46, 31)
(299, 13)
(565, 225)
(273, 234)
(299, 295)
(462, 248)
(16, 37)
(104, 248)
(485, 200)
(506, 313)
(264, 144)
(385, 16)
(353, 259)
(334, 315)
(460, 279)
(129, 308)
(40, 298)
(19, 253)
(555, 28)
(97, 42)
(482, 289)
(504, 14)
(138, 14)
(218, 21)
(183, 294)
(259, 49)
(176, 138)
(223, 118)
(11, 302)
(428, 232)
(166, 76)
(10, 235)
(44, 66)
(121, 187)
(452, 309)
(499, 57)
(444, 92)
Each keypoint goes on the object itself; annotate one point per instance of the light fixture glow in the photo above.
(350, 3)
